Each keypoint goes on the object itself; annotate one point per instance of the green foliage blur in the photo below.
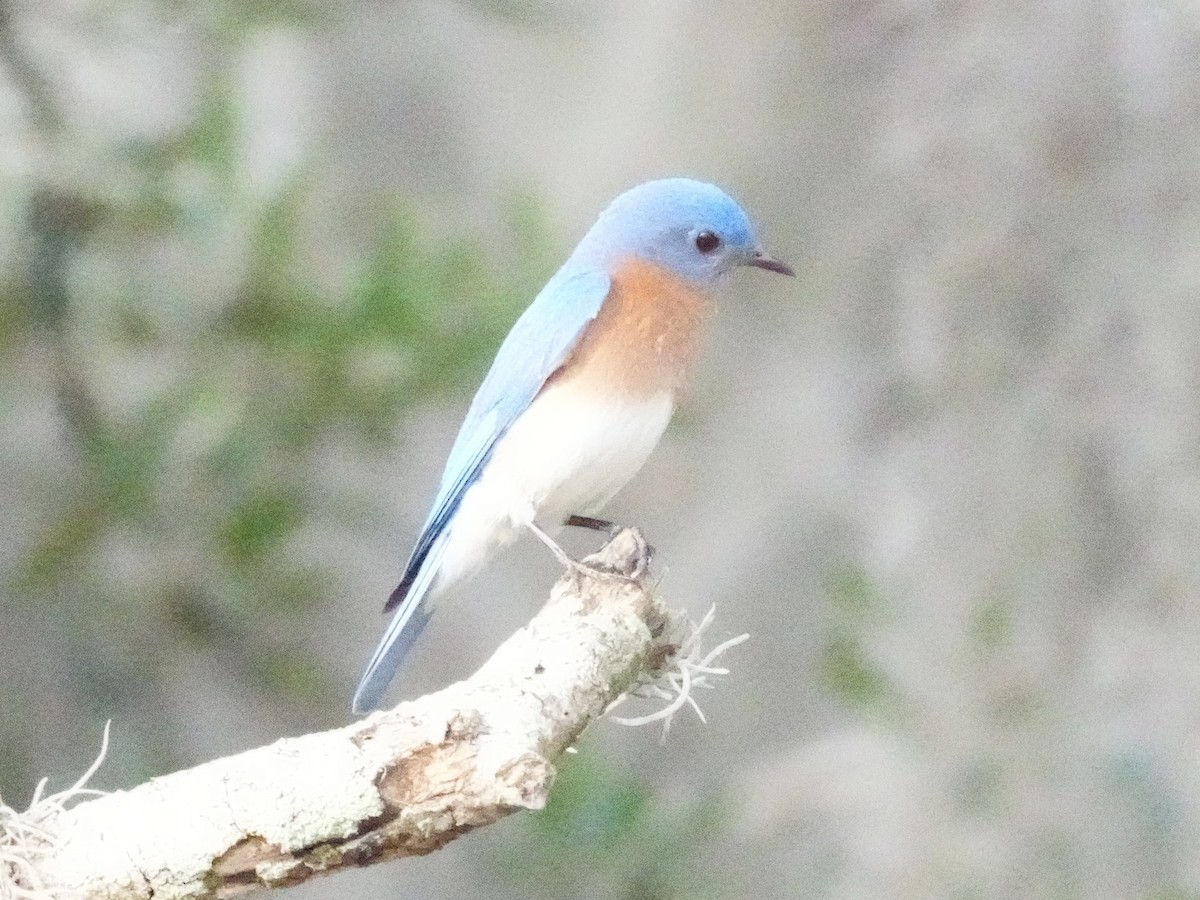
(608, 833)
(184, 369)
(194, 404)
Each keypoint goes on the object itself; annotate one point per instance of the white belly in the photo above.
(569, 453)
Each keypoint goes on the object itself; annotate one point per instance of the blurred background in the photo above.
(255, 256)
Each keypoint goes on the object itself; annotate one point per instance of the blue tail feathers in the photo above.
(412, 615)
(388, 658)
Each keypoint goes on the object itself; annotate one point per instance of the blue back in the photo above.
(535, 347)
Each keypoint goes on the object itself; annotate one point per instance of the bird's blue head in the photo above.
(692, 228)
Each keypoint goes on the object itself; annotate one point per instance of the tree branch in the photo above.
(397, 783)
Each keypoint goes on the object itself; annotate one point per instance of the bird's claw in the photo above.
(627, 556)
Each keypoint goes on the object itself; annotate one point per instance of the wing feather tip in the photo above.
(396, 597)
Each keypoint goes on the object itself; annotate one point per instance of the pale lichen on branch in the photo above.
(401, 782)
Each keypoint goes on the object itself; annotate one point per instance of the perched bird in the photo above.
(579, 393)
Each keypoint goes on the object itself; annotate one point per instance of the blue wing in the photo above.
(538, 344)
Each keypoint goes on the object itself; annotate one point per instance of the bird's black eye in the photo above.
(707, 242)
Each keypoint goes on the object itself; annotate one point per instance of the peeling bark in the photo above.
(402, 782)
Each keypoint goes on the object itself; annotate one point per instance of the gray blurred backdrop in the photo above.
(255, 256)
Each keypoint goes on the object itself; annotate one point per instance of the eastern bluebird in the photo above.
(579, 394)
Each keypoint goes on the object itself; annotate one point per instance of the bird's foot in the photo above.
(627, 556)
(628, 564)
(612, 529)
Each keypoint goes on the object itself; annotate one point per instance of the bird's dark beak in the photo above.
(760, 260)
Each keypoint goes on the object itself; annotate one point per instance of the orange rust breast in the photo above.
(644, 336)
